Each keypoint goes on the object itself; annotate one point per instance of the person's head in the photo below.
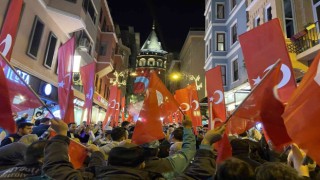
(84, 123)
(118, 134)
(28, 139)
(127, 155)
(38, 114)
(239, 146)
(174, 148)
(234, 169)
(24, 128)
(72, 127)
(45, 121)
(176, 135)
(37, 122)
(276, 170)
(125, 124)
(244, 134)
(25, 115)
(35, 152)
(151, 149)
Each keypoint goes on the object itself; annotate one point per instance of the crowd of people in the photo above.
(31, 154)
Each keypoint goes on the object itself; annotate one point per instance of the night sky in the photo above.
(173, 18)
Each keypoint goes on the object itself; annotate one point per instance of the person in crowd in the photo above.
(23, 118)
(126, 125)
(176, 141)
(43, 126)
(175, 148)
(32, 164)
(13, 153)
(105, 137)
(74, 135)
(276, 170)
(234, 169)
(24, 128)
(118, 134)
(56, 164)
(204, 165)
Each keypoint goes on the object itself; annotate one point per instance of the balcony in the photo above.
(306, 43)
(72, 15)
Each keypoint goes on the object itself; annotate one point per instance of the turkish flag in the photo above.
(87, 73)
(123, 106)
(117, 109)
(262, 105)
(21, 96)
(189, 104)
(112, 104)
(141, 82)
(302, 112)
(262, 47)
(215, 94)
(65, 92)
(217, 107)
(10, 27)
(158, 104)
(6, 119)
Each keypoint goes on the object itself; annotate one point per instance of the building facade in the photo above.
(44, 26)
(225, 20)
(192, 62)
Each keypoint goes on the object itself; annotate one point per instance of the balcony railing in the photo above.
(305, 39)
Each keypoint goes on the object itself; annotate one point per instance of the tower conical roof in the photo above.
(152, 43)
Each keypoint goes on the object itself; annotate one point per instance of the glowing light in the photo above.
(76, 63)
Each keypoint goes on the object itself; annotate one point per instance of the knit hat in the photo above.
(127, 155)
(28, 139)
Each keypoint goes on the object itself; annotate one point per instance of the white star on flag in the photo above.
(211, 99)
(61, 84)
(256, 81)
(88, 95)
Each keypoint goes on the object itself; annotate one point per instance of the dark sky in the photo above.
(173, 18)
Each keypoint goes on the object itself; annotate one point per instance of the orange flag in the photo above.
(158, 104)
(112, 104)
(217, 109)
(302, 112)
(262, 47)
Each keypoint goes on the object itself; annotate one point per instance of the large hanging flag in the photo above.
(217, 109)
(189, 104)
(117, 108)
(158, 104)
(6, 119)
(21, 97)
(262, 47)
(215, 94)
(87, 77)
(65, 92)
(112, 105)
(10, 27)
(302, 112)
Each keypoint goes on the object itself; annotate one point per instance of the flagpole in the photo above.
(237, 109)
(211, 116)
(43, 104)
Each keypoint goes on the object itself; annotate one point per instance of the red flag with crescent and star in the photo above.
(87, 73)
(158, 104)
(262, 47)
(302, 112)
(112, 103)
(10, 28)
(117, 109)
(217, 107)
(65, 92)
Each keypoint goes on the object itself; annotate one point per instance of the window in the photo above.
(100, 17)
(51, 47)
(209, 48)
(224, 74)
(234, 35)
(142, 62)
(89, 8)
(220, 42)
(151, 62)
(207, 51)
(257, 22)
(268, 14)
(220, 11)
(160, 63)
(35, 38)
(103, 49)
(289, 19)
(233, 4)
(235, 70)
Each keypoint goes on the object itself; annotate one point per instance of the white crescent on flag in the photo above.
(7, 44)
(220, 96)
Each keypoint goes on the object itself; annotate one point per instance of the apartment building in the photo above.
(225, 20)
(44, 26)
